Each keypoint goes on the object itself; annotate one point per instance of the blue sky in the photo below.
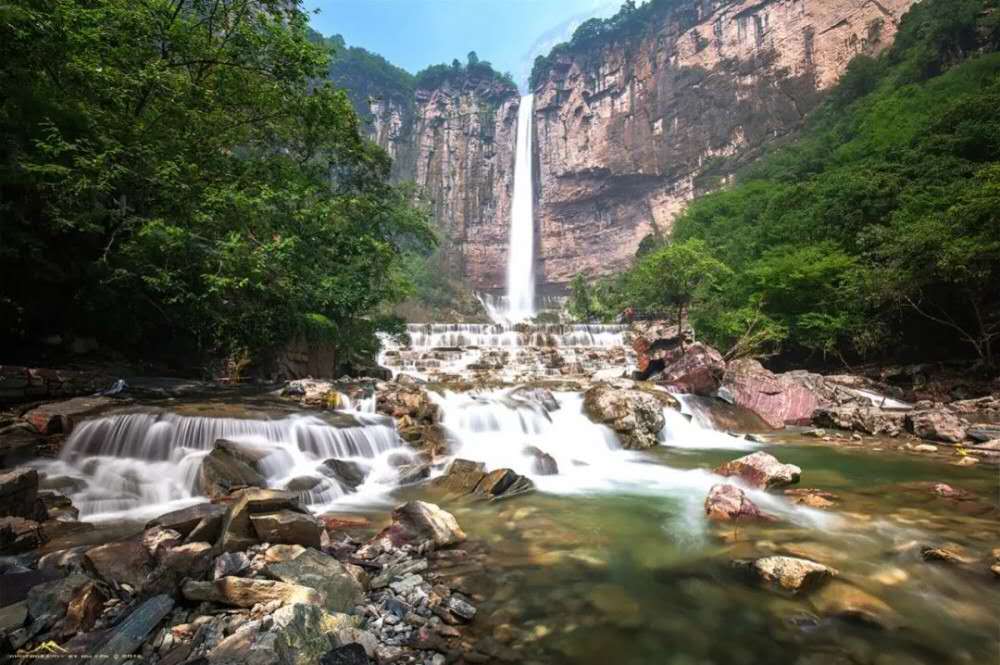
(416, 33)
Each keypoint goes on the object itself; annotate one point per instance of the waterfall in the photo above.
(520, 271)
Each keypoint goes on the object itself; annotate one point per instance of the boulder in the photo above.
(413, 473)
(728, 503)
(779, 399)
(19, 495)
(234, 563)
(302, 484)
(126, 637)
(845, 601)
(543, 464)
(790, 573)
(204, 518)
(338, 585)
(125, 562)
(697, 369)
(409, 401)
(18, 535)
(84, 608)
(652, 341)
(419, 524)
(636, 416)
(982, 433)
(858, 418)
(61, 417)
(237, 531)
(191, 560)
(19, 443)
(936, 425)
(503, 483)
(761, 470)
(288, 527)
(349, 654)
(58, 506)
(228, 467)
(159, 539)
(813, 498)
(467, 478)
(246, 592)
(52, 598)
(349, 475)
(538, 397)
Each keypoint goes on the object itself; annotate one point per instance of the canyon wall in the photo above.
(627, 133)
(456, 142)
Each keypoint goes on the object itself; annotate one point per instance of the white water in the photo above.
(144, 464)
(425, 336)
(520, 271)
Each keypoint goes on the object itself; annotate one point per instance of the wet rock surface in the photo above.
(761, 470)
(635, 416)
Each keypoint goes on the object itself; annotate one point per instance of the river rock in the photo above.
(349, 654)
(543, 463)
(237, 531)
(338, 585)
(419, 524)
(635, 416)
(126, 562)
(12, 617)
(843, 600)
(246, 592)
(982, 433)
(51, 599)
(936, 425)
(409, 401)
(288, 527)
(761, 470)
(348, 474)
(159, 539)
(18, 535)
(228, 467)
(19, 443)
(190, 560)
(859, 418)
(302, 484)
(84, 608)
(468, 478)
(791, 573)
(503, 483)
(19, 495)
(779, 399)
(129, 635)
(61, 417)
(813, 498)
(204, 518)
(728, 503)
(231, 563)
(413, 473)
(697, 369)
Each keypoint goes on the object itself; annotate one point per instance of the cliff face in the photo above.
(627, 134)
(456, 142)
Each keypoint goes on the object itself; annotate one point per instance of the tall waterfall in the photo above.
(520, 272)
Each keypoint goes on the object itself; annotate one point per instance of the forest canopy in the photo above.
(178, 178)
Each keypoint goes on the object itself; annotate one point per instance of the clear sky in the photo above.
(416, 33)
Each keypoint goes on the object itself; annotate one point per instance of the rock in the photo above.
(727, 503)
(813, 498)
(205, 518)
(316, 570)
(419, 524)
(52, 598)
(19, 495)
(867, 419)
(288, 528)
(460, 608)
(936, 425)
(635, 416)
(191, 560)
(84, 608)
(237, 532)
(461, 477)
(842, 600)
(779, 399)
(983, 433)
(228, 467)
(160, 538)
(652, 341)
(503, 483)
(349, 475)
(129, 635)
(543, 464)
(467, 478)
(230, 563)
(18, 535)
(409, 401)
(302, 484)
(61, 417)
(791, 573)
(924, 448)
(943, 555)
(697, 369)
(245, 592)
(307, 631)
(13, 616)
(125, 562)
(539, 397)
(19, 443)
(761, 470)
(413, 473)
(278, 553)
(349, 654)
(58, 506)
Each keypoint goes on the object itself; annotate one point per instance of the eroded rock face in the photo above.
(779, 399)
(628, 134)
(697, 369)
(635, 416)
(761, 470)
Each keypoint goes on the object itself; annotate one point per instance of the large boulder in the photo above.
(654, 341)
(230, 466)
(636, 416)
(202, 522)
(61, 417)
(19, 495)
(779, 399)
(695, 369)
(467, 478)
(18, 535)
(790, 573)
(126, 562)
(860, 418)
(728, 503)
(845, 601)
(419, 524)
(339, 583)
(409, 401)
(237, 531)
(246, 592)
(288, 527)
(761, 470)
(349, 475)
(936, 425)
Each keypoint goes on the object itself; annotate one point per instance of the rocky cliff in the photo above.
(629, 130)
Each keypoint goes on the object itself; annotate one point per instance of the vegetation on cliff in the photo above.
(878, 227)
(173, 178)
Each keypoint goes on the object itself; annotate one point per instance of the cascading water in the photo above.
(520, 270)
(144, 464)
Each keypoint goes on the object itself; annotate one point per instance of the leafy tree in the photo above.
(581, 303)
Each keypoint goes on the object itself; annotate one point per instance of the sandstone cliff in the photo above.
(628, 132)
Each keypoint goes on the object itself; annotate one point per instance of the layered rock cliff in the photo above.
(626, 133)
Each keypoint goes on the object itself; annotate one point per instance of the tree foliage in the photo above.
(174, 176)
